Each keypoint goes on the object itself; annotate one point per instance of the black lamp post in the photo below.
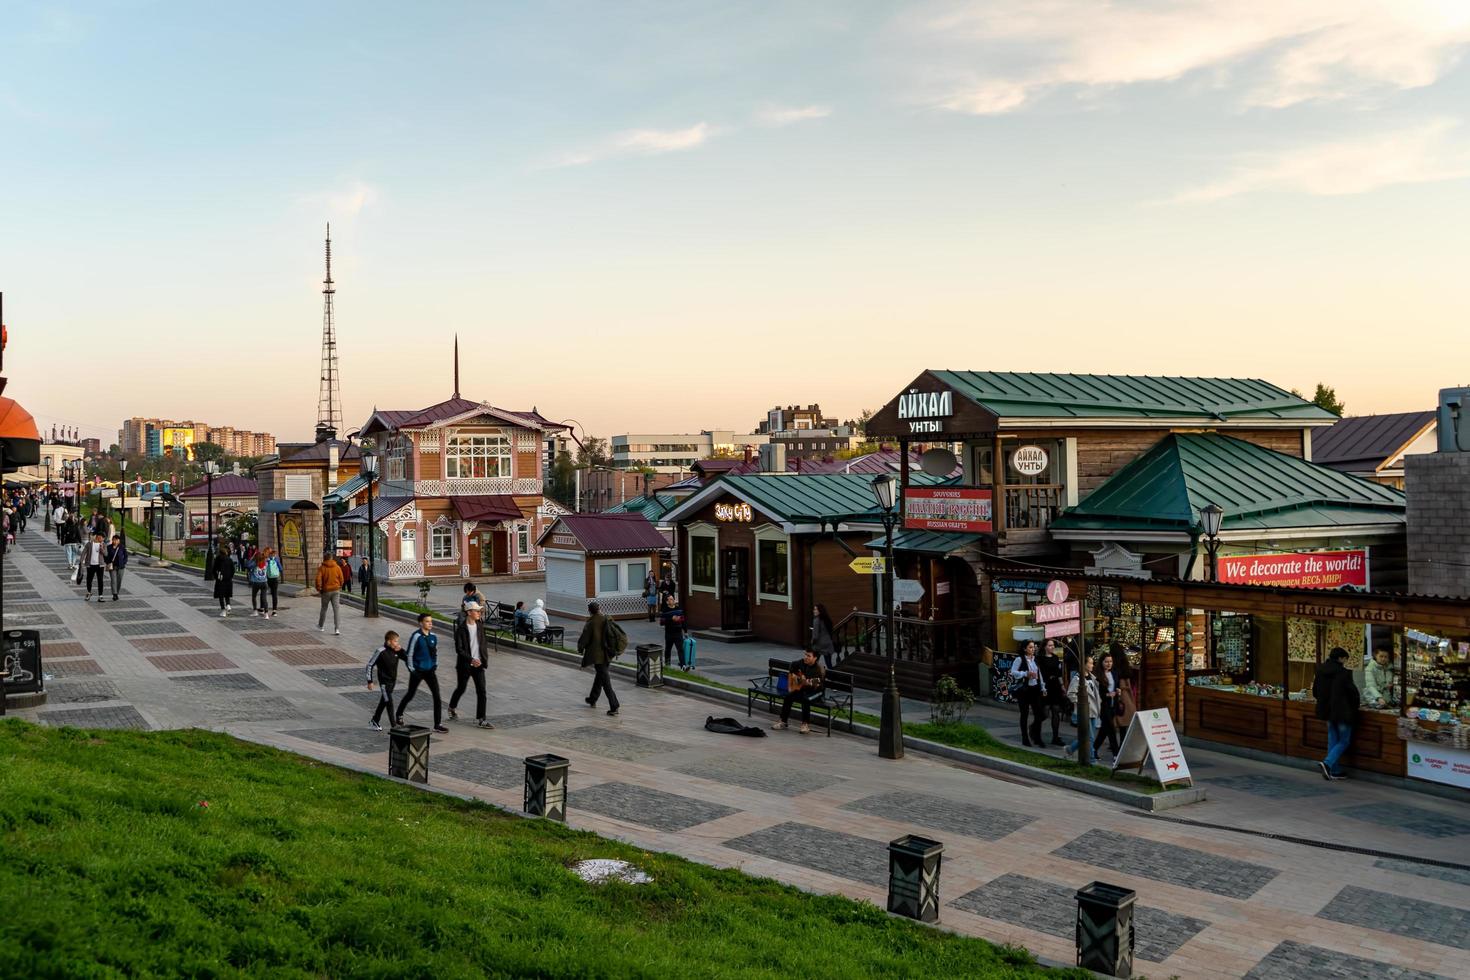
(122, 514)
(1210, 517)
(369, 470)
(46, 498)
(211, 467)
(890, 731)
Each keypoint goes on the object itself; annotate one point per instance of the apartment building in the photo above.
(674, 452)
(162, 437)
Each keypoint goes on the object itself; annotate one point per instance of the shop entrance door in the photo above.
(735, 594)
(487, 553)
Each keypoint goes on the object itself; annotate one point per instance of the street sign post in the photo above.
(867, 566)
(907, 590)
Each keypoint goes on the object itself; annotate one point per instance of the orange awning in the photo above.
(18, 436)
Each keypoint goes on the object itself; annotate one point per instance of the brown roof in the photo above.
(604, 533)
(448, 409)
(487, 507)
(225, 485)
(317, 452)
(1367, 441)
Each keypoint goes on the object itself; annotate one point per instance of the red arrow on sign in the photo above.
(1172, 765)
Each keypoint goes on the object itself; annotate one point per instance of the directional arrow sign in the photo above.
(908, 590)
(867, 566)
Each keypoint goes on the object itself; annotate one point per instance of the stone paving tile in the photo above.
(1411, 918)
(480, 766)
(17, 620)
(226, 706)
(321, 657)
(1414, 820)
(192, 661)
(128, 603)
(155, 644)
(1182, 866)
(249, 624)
(145, 629)
(132, 615)
(1052, 909)
(59, 651)
(339, 676)
(758, 775)
(647, 807)
(285, 638)
(521, 720)
(613, 744)
(221, 682)
(363, 740)
(1271, 787)
(1296, 961)
(1460, 876)
(942, 814)
(369, 699)
(49, 633)
(124, 716)
(25, 608)
(830, 851)
(81, 692)
(71, 668)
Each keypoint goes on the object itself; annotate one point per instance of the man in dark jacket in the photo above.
(423, 660)
(1337, 704)
(471, 643)
(592, 645)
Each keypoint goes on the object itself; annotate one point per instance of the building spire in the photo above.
(456, 365)
(329, 396)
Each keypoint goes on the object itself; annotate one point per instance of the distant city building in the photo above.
(603, 488)
(794, 418)
(813, 443)
(92, 447)
(165, 437)
(674, 453)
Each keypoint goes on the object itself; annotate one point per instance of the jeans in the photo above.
(72, 551)
(334, 599)
(101, 574)
(1338, 738)
(117, 577)
(794, 697)
(463, 675)
(430, 680)
(275, 587)
(602, 682)
(1072, 746)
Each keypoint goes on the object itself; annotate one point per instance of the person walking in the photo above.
(224, 579)
(259, 589)
(385, 662)
(824, 635)
(1054, 688)
(345, 567)
(423, 661)
(1337, 704)
(673, 622)
(1127, 688)
(593, 646)
(117, 563)
(273, 580)
(363, 574)
(71, 539)
(1107, 687)
(650, 594)
(471, 641)
(1027, 690)
(94, 556)
(1086, 679)
(329, 587)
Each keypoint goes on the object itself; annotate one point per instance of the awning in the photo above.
(926, 542)
(19, 440)
(286, 506)
(346, 491)
(382, 507)
(487, 508)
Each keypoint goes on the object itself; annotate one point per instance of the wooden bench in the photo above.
(835, 696)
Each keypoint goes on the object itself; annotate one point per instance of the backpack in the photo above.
(614, 640)
(272, 568)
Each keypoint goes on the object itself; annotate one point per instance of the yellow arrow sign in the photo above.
(867, 566)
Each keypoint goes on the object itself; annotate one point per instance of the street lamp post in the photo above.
(369, 470)
(890, 731)
(49, 491)
(1211, 517)
(122, 514)
(210, 469)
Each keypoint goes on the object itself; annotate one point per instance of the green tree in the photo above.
(593, 452)
(1325, 398)
(563, 481)
(203, 452)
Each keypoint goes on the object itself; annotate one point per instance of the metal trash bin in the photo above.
(546, 786)
(408, 753)
(1105, 929)
(650, 665)
(913, 877)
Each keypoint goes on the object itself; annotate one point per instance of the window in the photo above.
(398, 449)
(408, 544)
(773, 566)
(477, 457)
(608, 577)
(523, 540)
(637, 571)
(702, 561)
(441, 543)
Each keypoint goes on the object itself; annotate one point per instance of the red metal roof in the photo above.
(225, 485)
(487, 507)
(603, 533)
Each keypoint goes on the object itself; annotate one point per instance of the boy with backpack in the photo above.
(385, 659)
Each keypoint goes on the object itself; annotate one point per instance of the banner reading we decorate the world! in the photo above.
(1301, 570)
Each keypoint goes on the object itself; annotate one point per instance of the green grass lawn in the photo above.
(111, 865)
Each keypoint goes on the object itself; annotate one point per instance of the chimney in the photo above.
(773, 458)
(648, 486)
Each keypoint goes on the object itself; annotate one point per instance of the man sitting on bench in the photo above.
(804, 682)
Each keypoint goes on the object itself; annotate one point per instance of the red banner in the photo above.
(1300, 570)
(947, 509)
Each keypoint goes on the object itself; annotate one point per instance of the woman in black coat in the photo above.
(224, 580)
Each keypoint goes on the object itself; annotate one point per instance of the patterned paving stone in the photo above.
(145, 629)
(479, 766)
(757, 775)
(942, 814)
(361, 740)
(322, 656)
(132, 615)
(71, 668)
(1419, 821)
(251, 624)
(234, 707)
(517, 720)
(59, 651)
(368, 699)
(829, 851)
(1182, 866)
(25, 608)
(221, 682)
(1457, 875)
(124, 716)
(1411, 918)
(17, 620)
(1296, 961)
(156, 644)
(614, 745)
(128, 603)
(1271, 787)
(646, 807)
(339, 676)
(285, 638)
(80, 692)
(192, 661)
(54, 633)
(1052, 909)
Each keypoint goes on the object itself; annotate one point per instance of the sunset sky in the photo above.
(670, 216)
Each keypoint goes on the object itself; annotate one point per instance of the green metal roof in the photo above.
(816, 497)
(1031, 395)
(1163, 490)
(653, 508)
(925, 542)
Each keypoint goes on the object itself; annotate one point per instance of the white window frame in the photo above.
(397, 451)
(703, 530)
(769, 533)
(624, 587)
(463, 451)
(436, 533)
(408, 536)
(523, 540)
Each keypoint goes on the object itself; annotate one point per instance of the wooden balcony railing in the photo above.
(1034, 507)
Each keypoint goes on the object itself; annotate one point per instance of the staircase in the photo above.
(717, 635)
(925, 650)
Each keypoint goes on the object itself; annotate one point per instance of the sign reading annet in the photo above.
(1299, 570)
(1152, 741)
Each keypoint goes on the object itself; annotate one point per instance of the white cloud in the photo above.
(994, 56)
(642, 142)
(785, 116)
(1430, 151)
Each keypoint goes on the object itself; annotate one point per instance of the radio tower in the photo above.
(329, 398)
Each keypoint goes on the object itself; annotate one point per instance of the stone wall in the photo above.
(1438, 488)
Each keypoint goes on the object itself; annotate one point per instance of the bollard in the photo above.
(913, 877)
(650, 665)
(1105, 929)
(546, 786)
(408, 753)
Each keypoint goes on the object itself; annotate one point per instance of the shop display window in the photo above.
(1437, 677)
(702, 562)
(1243, 655)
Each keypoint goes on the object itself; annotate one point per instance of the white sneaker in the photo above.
(224, 613)
(321, 629)
(336, 632)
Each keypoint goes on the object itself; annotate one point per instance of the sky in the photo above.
(667, 217)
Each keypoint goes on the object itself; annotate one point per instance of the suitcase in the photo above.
(690, 650)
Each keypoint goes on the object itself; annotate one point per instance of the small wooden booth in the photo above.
(603, 558)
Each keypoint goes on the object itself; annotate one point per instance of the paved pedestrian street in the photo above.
(811, 811)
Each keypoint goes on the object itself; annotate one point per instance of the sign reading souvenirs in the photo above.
(947, 509)
(1151, 740)
(1029, 460)
(868, 566)
(1298, 570)
(925, 410)
(736, 513)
